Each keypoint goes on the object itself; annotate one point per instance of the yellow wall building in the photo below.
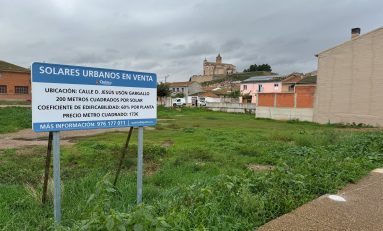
(350, 81)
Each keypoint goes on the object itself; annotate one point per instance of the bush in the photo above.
(101, 216)
(152, 151)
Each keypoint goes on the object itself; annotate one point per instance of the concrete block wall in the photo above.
(350, 81)
(302, 114)
(232, 107)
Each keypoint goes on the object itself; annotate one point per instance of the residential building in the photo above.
(350, 81)
(207, 96)
(259, 84)
(289, 81)
(289, 105)
(269, 84)
(186, 88)
(214, 70)
(15, 82)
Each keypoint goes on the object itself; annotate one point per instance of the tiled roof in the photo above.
(308, 80)
(293, 78)
(206, 94)
(179, 84)
(5, 66)
(262, 79)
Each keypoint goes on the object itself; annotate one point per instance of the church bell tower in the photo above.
(218, 60)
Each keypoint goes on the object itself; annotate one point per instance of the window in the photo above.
(276, 85)
(182, 89)
(174, 89)
(244, 87)
(291, 87)
(178, 89)
(3, 89)
(260, 88)
(21, 90)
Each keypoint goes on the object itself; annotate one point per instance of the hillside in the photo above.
(237, 77)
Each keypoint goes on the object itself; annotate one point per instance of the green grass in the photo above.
(14, 102)
(13, 119)
(199, 181)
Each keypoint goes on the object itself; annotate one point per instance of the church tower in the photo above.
(218, 60)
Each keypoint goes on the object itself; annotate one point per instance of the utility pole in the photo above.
(166, 76)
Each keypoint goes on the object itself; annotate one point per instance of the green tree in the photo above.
(264, 67)
(162, 91)
(234, 94)
(255, 67)
(179, 95)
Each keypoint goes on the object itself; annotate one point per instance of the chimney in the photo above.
(355, 32)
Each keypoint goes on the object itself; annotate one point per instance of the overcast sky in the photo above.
(172, 37)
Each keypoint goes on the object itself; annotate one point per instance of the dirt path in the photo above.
(27, 137)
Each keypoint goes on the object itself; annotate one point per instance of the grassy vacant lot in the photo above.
(13, 119)
(14, 102)
(197, 174)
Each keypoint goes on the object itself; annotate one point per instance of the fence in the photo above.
(232, 107)
(303, 97)
(287, 113)
(287, 106)
(167, 101)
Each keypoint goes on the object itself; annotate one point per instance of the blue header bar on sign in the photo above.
(58, 73)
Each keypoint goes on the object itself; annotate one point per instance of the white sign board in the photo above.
(77, 98)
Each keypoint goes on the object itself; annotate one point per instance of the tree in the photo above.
(162, 91)
(234, 94)
(246, 98)
(255, 67)
(179, 95)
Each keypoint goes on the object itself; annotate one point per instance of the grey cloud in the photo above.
(232, 44)
(172, 37)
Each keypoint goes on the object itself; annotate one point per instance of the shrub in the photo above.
(152, 151)
(101, 216)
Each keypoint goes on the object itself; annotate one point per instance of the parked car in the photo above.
(179, 102)
(202, 102)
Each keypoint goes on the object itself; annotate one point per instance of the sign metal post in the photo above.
(140, 153)
(56, 177)
(66, 97)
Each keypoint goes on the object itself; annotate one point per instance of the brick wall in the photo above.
(305, 96)
(284, 100)
(302, 98)
(13, 79)
(266, 99)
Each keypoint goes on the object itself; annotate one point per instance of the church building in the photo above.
(214, 70)
(217, 67)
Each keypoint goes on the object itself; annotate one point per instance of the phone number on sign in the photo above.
(112, 123)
